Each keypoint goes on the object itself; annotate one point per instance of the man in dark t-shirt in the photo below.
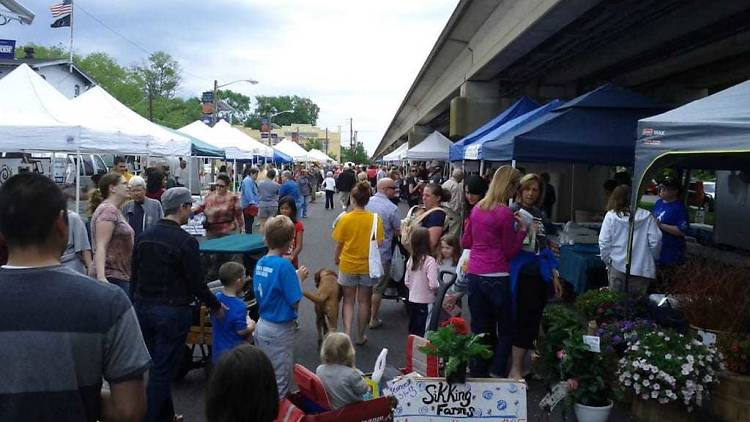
(62, 332)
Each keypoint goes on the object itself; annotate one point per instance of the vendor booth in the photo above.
(433, 147)
(712, 133)
(522, 106)
(318, 155)
(293, 150)
(396, 155)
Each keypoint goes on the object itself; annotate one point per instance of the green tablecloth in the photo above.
(235, 243)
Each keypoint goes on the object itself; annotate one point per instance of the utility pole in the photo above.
(216, 100)
(326, 141)
(351, 134)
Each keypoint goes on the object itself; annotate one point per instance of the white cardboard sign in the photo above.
(432, 399)
(592, 342)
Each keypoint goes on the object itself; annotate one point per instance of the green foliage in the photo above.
(58, 51)
(356, 156)
(591, 371)
(455, 349)
(239, 103)
(122, 83)
(304, 110)
(559, 323)
(313, 144)
(601, 305)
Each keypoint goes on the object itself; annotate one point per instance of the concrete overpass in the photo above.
(493, 51)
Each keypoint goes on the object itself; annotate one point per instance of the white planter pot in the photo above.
(592, 414)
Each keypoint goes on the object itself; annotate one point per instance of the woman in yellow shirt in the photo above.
(352, 236)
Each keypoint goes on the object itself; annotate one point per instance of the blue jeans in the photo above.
(164, 330)
(305, 200)
(491, 307)
(417, 318)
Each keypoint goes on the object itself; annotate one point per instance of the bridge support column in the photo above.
(478, 103)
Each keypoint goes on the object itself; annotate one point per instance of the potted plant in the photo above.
(559, 323)
(588, 377)
(614, 335)
(455, 346)
(668, 373)
(713, 296)
(730, 399)
(601, 305)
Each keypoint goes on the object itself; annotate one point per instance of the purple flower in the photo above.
(616, 339)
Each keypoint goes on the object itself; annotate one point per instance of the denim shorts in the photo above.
(354, 280)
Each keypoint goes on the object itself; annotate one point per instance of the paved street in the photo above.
(318, 253)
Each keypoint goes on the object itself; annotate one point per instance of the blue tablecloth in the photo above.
(575, 263)
(235, 243)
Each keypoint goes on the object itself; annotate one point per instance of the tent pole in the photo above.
(234, 177)
(572, 191)
(190, 174)
(481, 168)
(78, 178)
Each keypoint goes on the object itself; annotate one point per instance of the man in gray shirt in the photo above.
(382, 205)
(141, 212)
(268, 199)
(62, 332)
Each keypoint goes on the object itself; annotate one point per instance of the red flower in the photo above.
(459, 325)
(572, 384)
(735, 348)
(561, 354)
(599, 311)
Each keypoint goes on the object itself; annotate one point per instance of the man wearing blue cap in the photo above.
(166, 278)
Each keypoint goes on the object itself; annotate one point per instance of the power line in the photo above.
(128, 40)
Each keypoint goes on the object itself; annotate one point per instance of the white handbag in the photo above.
(398, 264)
(375, 266)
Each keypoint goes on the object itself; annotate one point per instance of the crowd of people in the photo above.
(484, 239)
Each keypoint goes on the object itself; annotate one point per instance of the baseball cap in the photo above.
(173, 198)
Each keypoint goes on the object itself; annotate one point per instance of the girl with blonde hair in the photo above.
(493, 239)
(342, 380)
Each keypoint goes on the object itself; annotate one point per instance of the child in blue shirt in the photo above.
(236, 326)
(278, 290)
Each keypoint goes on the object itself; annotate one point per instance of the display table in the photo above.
(250, 244)
(576, 262)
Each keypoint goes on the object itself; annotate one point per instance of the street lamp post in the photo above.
(270, 121)
(216, 93)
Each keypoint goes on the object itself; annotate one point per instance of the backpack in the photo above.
(451, 225)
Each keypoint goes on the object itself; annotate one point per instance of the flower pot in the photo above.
(457, 377)
(653, 411)
(592, 413)
(730, 398)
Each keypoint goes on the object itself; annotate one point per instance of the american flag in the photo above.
(64, 8)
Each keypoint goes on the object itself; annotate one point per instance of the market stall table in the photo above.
(577, 262)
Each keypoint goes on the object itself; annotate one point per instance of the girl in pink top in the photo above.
(422, 280)
(492, 236)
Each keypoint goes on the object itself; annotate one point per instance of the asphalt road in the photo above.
(317, 253)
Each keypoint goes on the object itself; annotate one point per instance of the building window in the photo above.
(76, 90)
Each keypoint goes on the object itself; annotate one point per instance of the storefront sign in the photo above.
(432, 399)
(7, 49)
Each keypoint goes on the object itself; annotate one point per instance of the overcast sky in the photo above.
(354, 58)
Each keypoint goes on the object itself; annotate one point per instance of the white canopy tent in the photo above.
(293, 150)
(235, 142)
(103, 110)
(34, 116)
(318, 155)
(434, 147)
(398, 154)
(202, 131)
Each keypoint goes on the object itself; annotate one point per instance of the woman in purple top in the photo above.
(493, 239)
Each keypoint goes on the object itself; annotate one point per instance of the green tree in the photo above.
(357, 155)
(313, 144)
(239, 106)
(160, 77)
(58, 51)
(304, 110)
(122, 83)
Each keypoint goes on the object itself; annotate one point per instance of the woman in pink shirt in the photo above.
(492, 236)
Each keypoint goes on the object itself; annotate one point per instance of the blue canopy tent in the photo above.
(523, 105)
(475, 151)
(598, 127)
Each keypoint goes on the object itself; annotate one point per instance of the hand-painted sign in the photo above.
(433, 399)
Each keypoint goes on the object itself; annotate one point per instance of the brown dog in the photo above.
(326, 302)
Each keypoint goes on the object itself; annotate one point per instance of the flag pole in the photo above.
(72, 12)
